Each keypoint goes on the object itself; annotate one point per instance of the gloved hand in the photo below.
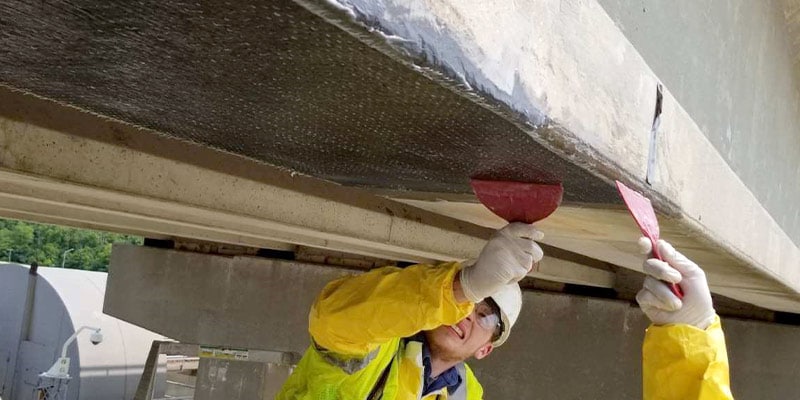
(506, 258)
(659, 303)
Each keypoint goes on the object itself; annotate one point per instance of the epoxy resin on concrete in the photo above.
(276, 83)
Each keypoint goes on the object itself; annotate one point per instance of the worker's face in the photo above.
(458, 342)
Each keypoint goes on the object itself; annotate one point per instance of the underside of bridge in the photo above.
(346, 132)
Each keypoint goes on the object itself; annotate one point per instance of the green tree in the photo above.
(46, 245)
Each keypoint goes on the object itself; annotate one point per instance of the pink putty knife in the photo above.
(642, 211)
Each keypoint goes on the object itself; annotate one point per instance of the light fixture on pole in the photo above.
(64, 257)
(60, 368)
(53, 384)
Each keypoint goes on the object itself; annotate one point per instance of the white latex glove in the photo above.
(507, 257)
(657, 300)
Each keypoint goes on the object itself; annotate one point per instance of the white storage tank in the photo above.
(40, 311)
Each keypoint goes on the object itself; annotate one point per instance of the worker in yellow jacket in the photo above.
(403, 334)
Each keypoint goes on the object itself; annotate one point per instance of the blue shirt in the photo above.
(449, 379)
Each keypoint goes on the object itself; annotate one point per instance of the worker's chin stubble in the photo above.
(445, 350)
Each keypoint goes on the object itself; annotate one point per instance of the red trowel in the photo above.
(642, 211)
(518, 201)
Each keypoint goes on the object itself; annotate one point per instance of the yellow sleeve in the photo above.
(356, 314)
(682, 362)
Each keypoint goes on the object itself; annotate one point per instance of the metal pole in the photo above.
(64, 257)
(9, 254)
(25, 329)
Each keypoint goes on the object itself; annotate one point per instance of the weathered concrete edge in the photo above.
(715, 202)
(602, 95)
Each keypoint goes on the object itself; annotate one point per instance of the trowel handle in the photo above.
(673, 287)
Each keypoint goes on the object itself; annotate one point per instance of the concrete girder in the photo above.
(594, 105)
(95, 181)
(337, 226)
(591, 105)
(610, 235)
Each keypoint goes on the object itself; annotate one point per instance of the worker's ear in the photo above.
(484, 351)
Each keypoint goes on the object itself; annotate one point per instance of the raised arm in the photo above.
(684, 354)
(354, 315)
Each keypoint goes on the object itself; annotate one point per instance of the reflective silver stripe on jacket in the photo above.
(348, 365)
(461, 392)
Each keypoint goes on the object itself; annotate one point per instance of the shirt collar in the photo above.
(449, 379)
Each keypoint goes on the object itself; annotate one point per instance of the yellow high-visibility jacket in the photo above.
(358, 323)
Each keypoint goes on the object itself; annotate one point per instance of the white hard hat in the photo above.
(509, 300)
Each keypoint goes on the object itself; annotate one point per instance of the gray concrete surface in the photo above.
(239, 302)
(563, 347)
(729, 64)
(765, 359)
(568, 347)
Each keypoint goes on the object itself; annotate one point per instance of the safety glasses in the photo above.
(488, 317)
